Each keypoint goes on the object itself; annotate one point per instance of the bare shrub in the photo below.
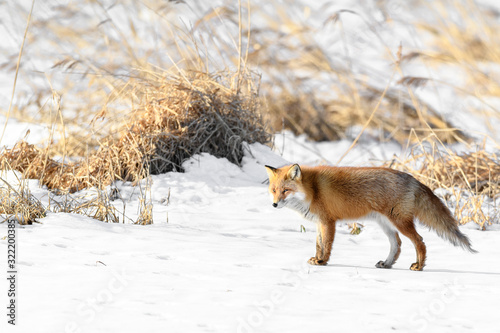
(178, 117)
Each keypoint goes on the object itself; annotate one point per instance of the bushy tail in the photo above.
(435, 215)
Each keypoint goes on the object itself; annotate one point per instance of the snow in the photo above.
(17, 131)
(219, 257)
(227, 261)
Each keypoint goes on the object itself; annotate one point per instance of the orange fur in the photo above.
(330, 194)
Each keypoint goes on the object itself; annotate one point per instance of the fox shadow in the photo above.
(447, 271)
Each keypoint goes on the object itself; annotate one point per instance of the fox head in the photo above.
(284, 184)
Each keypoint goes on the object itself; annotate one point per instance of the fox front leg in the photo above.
(319, 248)
(324, 242)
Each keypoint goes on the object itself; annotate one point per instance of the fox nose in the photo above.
(275, 205)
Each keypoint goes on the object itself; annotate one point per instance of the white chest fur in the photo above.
(297, 201)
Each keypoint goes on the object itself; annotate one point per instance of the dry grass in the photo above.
(177, 117)
(145, 216)
(135, 104)
(17, 202)
(170, 115)
(463, 36)
(97, 206)
(328, 120)
(34, 163)
(470, 181)
(314, 90)
(307, 87)
(477, 172)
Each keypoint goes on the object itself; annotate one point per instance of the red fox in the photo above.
(394, 199)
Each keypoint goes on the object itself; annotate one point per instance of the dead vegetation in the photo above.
(462, 36)
(478, 172)
(17, 202)
(307, 87)
(320, 90)
(95, 205)
(328, 120)
(177, 117)
(125, 117)
(470, 182)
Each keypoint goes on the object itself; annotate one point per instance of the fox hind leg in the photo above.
(394, 252)
(407, 228)
(391, 232)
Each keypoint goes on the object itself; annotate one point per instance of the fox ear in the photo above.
(294, 173)
(270, 171)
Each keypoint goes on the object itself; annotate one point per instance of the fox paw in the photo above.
(316, 261)
(382, 264)
(416, 267)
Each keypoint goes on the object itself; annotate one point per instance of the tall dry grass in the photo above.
(119, 114)
(133, 90)
(176, 117)
(307, 86)
(462, 37)
(469, 182)
(17, 202)
(323, 90)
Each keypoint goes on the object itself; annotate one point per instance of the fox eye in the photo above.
(274, 190)
(285, 190)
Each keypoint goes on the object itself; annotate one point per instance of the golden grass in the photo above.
(306, 88)
(178, 117)
(478, 172)
(312, 90)
(170, 115)
(145, 204)
(123, 117)
(17, 202)
(471, 180)
(327, 119)
(464, 36)
(97, 206)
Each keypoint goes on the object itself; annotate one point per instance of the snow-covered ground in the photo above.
(219, 257)
(227, 261)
